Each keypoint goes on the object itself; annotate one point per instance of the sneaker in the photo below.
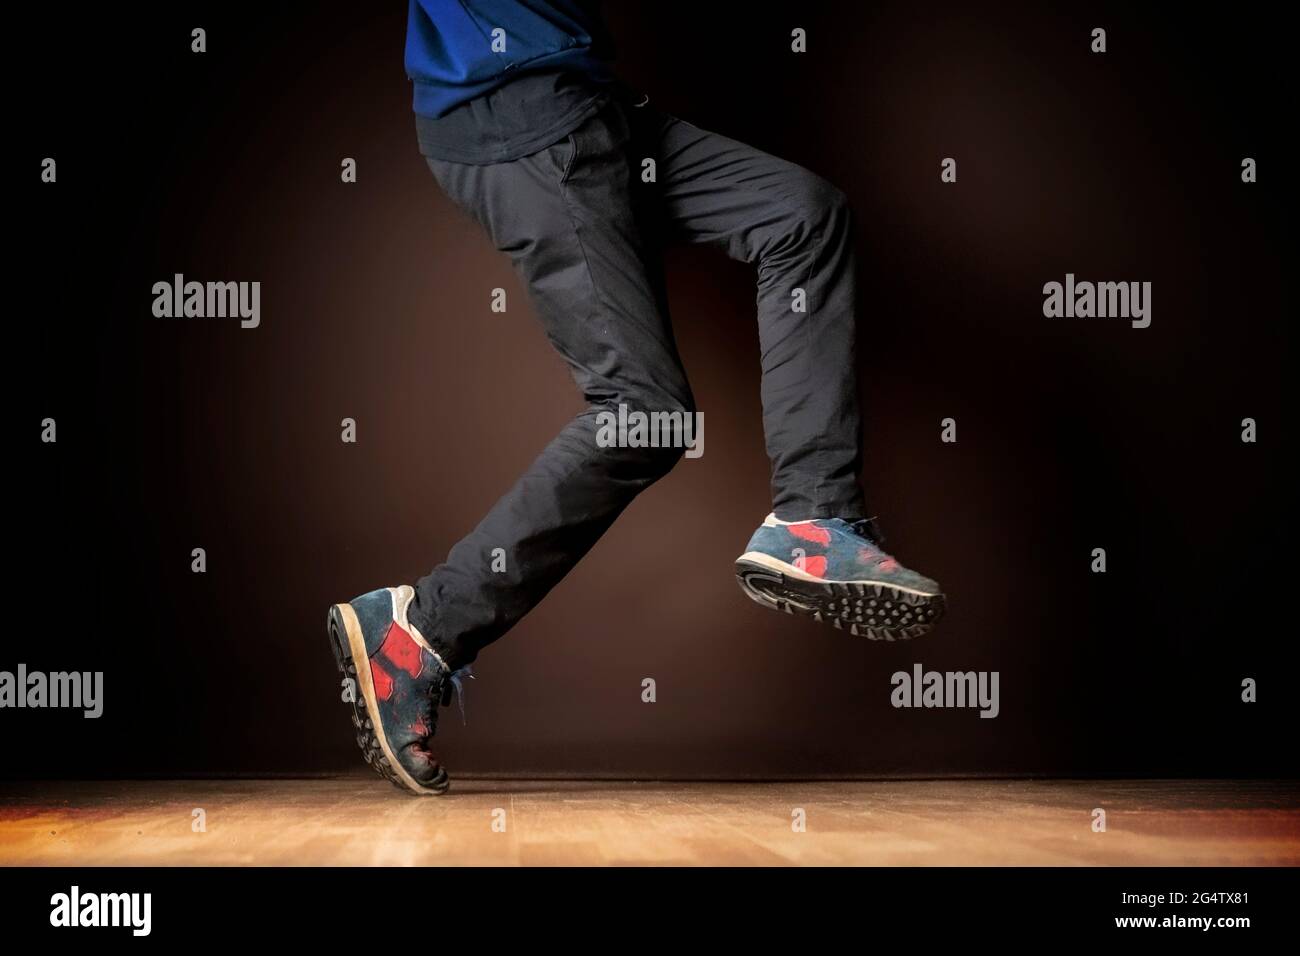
(831, 571)
(398, 681)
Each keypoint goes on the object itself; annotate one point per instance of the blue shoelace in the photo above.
(869, 528)
(456, 682)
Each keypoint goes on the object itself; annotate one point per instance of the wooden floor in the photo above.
(362, 821)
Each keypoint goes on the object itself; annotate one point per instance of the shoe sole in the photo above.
(349, 645)
(870, 609)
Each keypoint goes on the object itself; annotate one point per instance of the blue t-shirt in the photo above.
(457, 50)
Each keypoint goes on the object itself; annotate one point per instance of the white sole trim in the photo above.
(790, 570)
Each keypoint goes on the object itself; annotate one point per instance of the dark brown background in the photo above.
(1072, 434)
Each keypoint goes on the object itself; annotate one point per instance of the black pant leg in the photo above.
(567, 219)
(796, 229)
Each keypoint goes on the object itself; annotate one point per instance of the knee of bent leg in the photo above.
(825, 205)
(645, 440)
(671, 430)
(657, 462)
(817, 210)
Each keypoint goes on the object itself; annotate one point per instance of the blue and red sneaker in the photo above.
(831, 570)
(397, 682)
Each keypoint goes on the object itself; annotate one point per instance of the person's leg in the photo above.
(567, 218)
(817, 554)
(797, 230)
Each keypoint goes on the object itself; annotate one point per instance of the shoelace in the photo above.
(456, 681)
(868, 528)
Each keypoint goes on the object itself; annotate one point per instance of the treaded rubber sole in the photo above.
(367, 734)
(877, 612)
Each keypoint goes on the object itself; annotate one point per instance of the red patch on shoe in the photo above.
(810, 532)
(887, 564)
(400, 648)
(815, 566)
(383, 682)
(423, 756)
(420, 728)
